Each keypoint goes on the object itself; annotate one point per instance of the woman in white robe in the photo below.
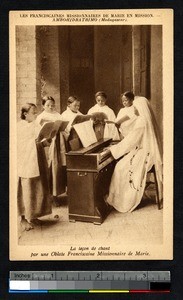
(138, 152)
(71, 112)
(56, 152)
(33, 188)
(109, 130)
(101, 99)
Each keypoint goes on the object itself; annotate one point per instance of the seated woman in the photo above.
(33, 188)
(138, 152)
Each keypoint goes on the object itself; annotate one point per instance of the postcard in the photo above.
(112, 200)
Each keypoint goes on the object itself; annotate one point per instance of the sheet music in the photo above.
(86, 133)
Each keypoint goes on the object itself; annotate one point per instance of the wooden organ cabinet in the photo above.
(89, 172)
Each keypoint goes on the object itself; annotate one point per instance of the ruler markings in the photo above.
(90, 280)
(91, 275)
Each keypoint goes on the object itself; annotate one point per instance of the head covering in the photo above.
(151, 140)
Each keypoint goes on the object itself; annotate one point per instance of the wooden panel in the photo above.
(87, 192)
(141, 60)
(101, 188)
(145, 61)
(81, 59)
(126, 59)
(81, 162)
(95, 58)
(107, 40)
(64, 66)
(80, 193)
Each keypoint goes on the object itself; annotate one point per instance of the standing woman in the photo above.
(56, 152)
(72, 110)
(49, 112)
(127, 113)
(138, 152)
(33, 189)
(107, 130)
(100, 106)
(68, 115)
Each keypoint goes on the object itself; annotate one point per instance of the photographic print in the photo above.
(91, 135)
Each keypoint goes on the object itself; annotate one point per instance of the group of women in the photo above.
(41, 173)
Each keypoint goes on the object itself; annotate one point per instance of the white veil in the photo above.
(152, 141)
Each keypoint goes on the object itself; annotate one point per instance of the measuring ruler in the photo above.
(89, 282)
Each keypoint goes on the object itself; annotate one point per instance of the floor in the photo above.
(145, 224)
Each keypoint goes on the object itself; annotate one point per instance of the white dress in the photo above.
(27, 161)
(104, 109)
(55, 156)
(130, 113)
(69, 116)
(110, 130)
(33, 188)
(46, 117)
(126, 111)
(138, 151)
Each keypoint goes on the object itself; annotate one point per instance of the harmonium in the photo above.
(89, 172)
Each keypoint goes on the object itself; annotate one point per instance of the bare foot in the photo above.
(26, 225)
(36, 222)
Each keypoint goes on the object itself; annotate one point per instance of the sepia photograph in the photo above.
(91, 135)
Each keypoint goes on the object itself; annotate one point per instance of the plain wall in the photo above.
(156, 74)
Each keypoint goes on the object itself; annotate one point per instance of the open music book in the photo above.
(50, 129)
(81, 119)
(86, 133)
(99, 117)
